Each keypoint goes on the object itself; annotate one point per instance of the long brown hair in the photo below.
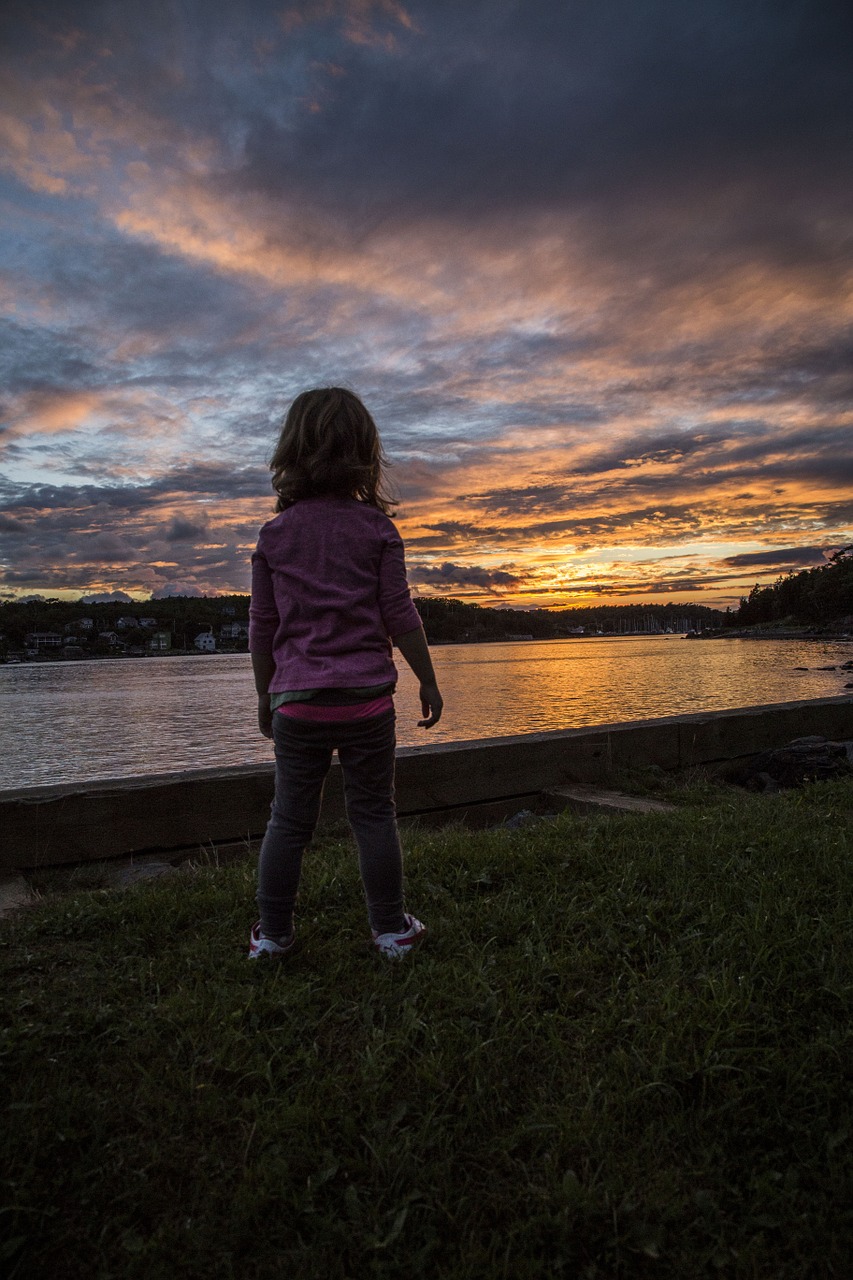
(329, 445)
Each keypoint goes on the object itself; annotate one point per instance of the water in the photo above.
(70, 721)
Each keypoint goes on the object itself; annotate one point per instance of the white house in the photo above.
(205, 642)
(233, 630)
(44, 640)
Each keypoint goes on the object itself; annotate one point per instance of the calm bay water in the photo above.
(69, 721)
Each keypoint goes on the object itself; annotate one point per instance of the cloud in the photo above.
(183, 529)
(361, 22)
(602, 109)
(449, 575)
(107, 597)
(780, 557)
(176, 589)
(589, 266)
(109, 548)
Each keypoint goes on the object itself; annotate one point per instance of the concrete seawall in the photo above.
(468, 781)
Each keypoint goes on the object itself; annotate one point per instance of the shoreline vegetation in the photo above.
(623, 1051)
(813, 604)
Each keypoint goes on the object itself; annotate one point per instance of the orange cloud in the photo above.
(54, 411)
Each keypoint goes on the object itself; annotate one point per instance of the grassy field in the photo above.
(624, 1050)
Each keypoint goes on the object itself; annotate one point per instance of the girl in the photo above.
(329, 594)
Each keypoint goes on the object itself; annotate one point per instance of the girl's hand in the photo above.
(265, 715)
(431, 705)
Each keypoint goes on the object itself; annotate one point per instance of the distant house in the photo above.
(85, 624)
(127, 622)
(110, 638)
(44, 640)
(233, 630)
(228, 611)
(205, 642)
(160, 642)
(148, 622)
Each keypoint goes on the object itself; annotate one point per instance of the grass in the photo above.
(624, 1051)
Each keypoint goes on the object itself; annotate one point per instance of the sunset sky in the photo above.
(588, 262)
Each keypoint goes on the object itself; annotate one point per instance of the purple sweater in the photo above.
(329, 591)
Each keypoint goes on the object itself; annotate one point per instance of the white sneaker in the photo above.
(261, 945)
(397, 945)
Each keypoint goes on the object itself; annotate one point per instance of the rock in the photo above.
(847, 666)
(762, 782)
(826, 668)
(801, 668)
(15, 893)
(810, 759)
(521, 819)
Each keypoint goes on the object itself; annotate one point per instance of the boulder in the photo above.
(523, 818)
(811, 759)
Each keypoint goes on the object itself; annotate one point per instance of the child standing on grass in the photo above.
(329, 595)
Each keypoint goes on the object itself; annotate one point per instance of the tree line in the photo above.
(820, 595)
(183, 616)
(446, 619)
(812, 596)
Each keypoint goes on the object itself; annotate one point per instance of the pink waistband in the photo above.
(349, 711)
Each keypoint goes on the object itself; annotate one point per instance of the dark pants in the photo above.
(303, 754)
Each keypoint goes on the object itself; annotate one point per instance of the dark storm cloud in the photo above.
(596, 222)
(781, 557)
(826, 450)
(819, 373)
(777, 367)
(8, 524)
(200, 329)
(536, 105)
(482, 109)
(147, 290)
(105, 548)
(448, 575)
(183, 530)
(207, 480)
(36, 358)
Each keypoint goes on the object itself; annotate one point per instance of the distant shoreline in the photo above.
(787, 633)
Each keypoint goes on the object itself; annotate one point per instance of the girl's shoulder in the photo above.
(330, 512)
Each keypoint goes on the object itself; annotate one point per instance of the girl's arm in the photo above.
(263, 623)
(414, 648)
(263, 666)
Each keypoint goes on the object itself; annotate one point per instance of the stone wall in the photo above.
(471, 781)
